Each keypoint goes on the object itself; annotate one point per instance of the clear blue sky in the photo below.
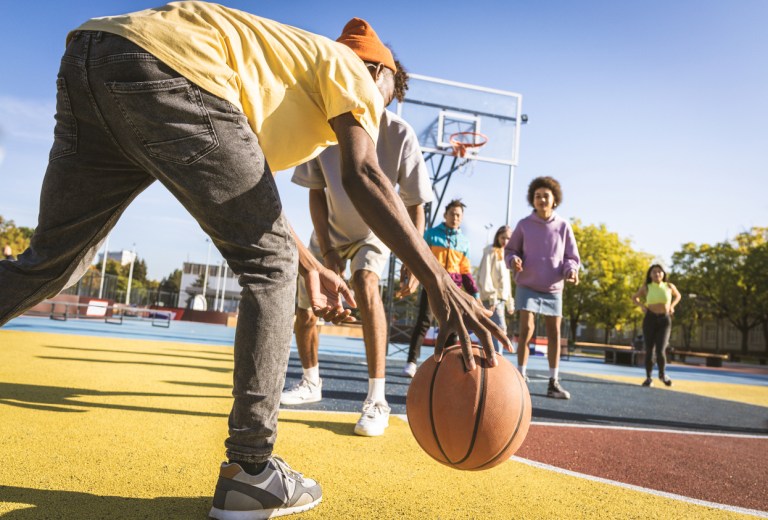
(653, 114)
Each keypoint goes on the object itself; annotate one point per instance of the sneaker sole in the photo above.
(558, 396)
(367, 433)
(293, 402)
(260, 514)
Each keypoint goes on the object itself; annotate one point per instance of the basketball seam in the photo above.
(517, 427)
(432, 416)
(478, 418)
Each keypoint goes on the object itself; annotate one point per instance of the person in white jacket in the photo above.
(495, 282)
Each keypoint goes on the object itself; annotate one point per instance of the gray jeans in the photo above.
(123, 120)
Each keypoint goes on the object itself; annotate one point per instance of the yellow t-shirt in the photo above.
(288, 82)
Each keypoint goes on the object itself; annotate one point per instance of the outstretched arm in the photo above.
(381, 208)
(325, 288)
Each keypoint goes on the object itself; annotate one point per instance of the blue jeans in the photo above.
(499, 319)
(124, 119)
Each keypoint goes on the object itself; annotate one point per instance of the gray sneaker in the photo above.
(555, 391)
(276, 491)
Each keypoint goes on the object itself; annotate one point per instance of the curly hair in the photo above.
(401, 81)
(399, 76)
(545, 182)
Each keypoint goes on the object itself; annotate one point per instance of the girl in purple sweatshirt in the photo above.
(543, 255)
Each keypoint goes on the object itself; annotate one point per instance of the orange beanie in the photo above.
(359, 36)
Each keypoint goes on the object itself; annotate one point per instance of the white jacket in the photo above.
(494, 280)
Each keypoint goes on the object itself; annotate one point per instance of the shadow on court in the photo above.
(594, 401)
(36, 504)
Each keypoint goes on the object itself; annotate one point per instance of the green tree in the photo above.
(16, 237)
(171, 283)
(692, 309)
(730, 277)
(611, 272)
(756, 272)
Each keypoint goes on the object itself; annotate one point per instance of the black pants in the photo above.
(420, 328)
(656, 331)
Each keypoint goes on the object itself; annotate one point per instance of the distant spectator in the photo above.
(495, 282)
(658, 298)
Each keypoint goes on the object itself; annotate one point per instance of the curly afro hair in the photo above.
(401, 81)
(545, 182)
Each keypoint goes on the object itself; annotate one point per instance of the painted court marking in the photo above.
(672, 496)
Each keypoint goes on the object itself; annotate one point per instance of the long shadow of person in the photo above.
(36, 504)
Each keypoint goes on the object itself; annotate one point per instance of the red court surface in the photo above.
(720, 468)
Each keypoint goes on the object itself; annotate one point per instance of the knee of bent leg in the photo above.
(366, 283)
(305, 319)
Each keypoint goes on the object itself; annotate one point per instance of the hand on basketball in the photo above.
(518, 264)
(408, 283)
(326, 289)
(457, 311)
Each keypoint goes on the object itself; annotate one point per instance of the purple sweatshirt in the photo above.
(548, 251)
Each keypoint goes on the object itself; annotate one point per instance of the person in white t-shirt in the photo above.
(341, 236)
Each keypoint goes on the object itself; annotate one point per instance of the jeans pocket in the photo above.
(168, 116)
(65, 131)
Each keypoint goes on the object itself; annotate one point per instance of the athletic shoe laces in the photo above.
(371, 409)
(286, 470)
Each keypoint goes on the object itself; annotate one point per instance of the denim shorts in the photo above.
(547, 304)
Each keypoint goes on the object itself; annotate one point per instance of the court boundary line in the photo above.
(651, 430)
(663, 494)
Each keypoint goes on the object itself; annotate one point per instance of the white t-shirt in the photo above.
(401, 161)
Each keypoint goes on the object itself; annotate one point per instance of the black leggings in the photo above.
(656, 331)
(420, 328)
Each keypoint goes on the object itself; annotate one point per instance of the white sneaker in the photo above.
(409, 369)
(374, 420)
(302, 392)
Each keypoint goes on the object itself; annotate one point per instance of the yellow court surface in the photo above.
(96, 427)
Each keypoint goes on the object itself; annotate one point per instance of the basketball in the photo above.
(468, 420)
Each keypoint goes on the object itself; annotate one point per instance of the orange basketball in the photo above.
(468, 420)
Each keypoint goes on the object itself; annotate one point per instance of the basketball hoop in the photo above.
(464, 143)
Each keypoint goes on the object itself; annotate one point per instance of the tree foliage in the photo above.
(729, 279)
(611, 272)
(16, 237)
(172, 282)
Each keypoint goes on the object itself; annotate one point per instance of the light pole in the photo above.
(218, 286)
(223, 287)
(130, 276)
(103, 267)
(205, 275)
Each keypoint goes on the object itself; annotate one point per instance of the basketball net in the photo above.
(465, 146)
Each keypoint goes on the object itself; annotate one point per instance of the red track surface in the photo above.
(725, 470)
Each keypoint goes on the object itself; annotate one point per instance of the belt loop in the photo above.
(98, 36)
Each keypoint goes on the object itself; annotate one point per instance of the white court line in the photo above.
(652, 430)
(672, 496)
(681, 498)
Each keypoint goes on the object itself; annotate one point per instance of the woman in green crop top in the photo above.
(658, 299)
